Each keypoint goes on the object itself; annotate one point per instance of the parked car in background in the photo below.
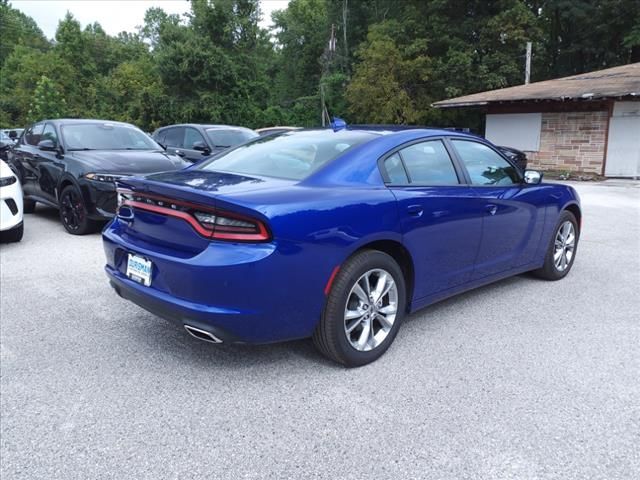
(13, 133)
(333, 234)
(271, 130)
(516, 156)
(72, 165)
(11, 224)
(6, 144)
(195, 142)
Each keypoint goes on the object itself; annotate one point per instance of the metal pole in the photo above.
(527, 68)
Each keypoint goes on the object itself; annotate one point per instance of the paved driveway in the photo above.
(521, 379)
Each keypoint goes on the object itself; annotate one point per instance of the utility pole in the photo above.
(527, 67)
(344, 30)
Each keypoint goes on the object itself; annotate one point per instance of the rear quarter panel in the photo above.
(315, 230)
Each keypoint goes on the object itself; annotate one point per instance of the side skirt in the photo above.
(419, 303)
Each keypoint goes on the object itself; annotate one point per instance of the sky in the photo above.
(114, 15)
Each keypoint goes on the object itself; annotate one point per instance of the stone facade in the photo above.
(572, 141)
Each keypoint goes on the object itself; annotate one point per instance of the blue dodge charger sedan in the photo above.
(334, 235)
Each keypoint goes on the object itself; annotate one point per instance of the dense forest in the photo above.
(370, 61)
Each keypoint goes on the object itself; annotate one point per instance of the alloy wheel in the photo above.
(371, 310)
(564, 246)
(72, 209)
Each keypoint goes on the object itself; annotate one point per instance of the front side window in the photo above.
(485, 166)
(293, 155)
(105, 136)
(173, 137)
(33, 134)
(49, 133)
(191, 136)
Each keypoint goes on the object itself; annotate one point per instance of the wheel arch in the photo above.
(403, 258)
(574, 208)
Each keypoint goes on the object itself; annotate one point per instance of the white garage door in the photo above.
(623, 150)
(517, 130)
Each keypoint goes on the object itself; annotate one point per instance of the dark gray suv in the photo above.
(194, 142)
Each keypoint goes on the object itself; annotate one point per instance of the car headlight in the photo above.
(6, 181)
(104, 177)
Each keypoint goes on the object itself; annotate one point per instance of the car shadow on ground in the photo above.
(52, 215)
(156, 333)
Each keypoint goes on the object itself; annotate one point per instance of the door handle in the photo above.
(491, 209)
(415, 210)
(180, 153)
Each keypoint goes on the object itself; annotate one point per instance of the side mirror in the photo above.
(47, 145)
(201, 147)
(532, 177)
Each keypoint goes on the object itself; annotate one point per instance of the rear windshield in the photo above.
(229, 138)
(106, 136)
(291, 155)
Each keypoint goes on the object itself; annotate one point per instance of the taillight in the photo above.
(207, 221)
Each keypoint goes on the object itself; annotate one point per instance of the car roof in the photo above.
(389, 130)
(78, 121)
(205, 125)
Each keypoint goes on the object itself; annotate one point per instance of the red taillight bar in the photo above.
(219, 232)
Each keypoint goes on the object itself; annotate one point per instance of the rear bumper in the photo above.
(174, 310)
(245, 293)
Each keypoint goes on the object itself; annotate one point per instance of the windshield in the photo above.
(229, 138)
(106, 136)
(291, 155)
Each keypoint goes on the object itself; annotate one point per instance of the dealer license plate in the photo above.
(139, 269)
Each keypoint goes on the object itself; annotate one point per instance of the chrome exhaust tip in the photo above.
(202, 334)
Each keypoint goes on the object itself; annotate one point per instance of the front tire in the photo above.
(28, 206)
(562, 249)
(364, 310)
(73, 212)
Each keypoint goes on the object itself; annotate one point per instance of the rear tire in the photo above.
(363, 311)
(13, 235)
(28, 206)
(73, 212)
(562, 248)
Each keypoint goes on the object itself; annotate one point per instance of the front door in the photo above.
(512, 224)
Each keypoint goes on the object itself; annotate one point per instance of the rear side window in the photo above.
(424, 163)
(395, 170)
(429, 163)
(485, 166)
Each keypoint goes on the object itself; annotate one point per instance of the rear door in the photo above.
(512, 221)
(440, 215)
(25, 157)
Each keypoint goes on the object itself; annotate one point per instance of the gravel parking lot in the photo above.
(520, 379)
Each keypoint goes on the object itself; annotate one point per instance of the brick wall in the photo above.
(572, 141)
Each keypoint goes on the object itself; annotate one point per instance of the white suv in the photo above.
(11, 226)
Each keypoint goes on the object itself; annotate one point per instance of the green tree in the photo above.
(379, 91)
(18, 29)
(47, 103)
